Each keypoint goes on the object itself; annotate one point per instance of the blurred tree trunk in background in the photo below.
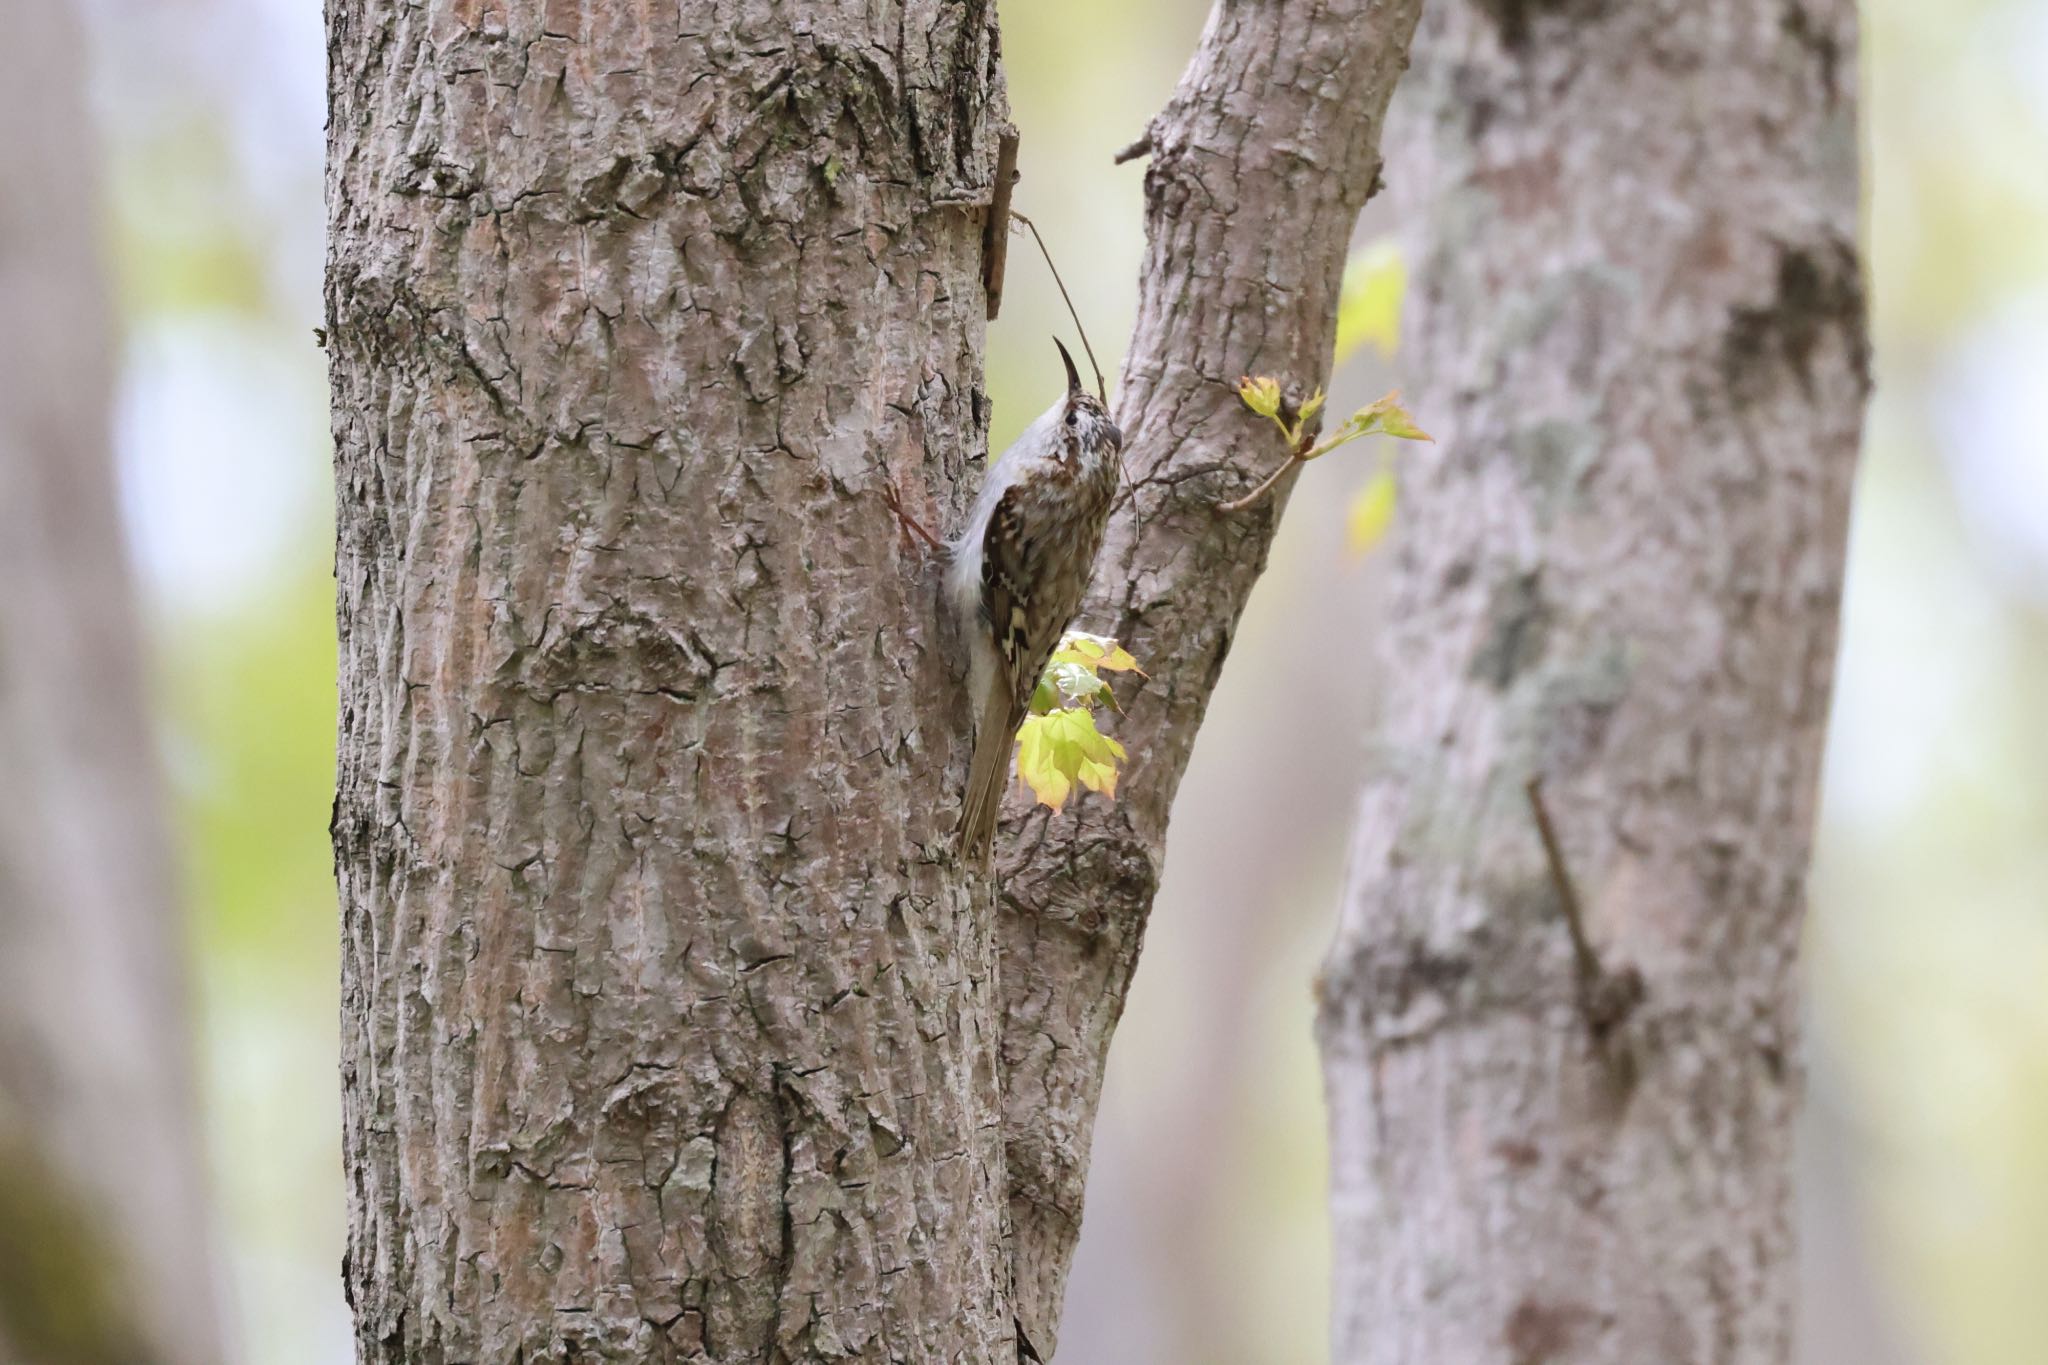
(669, 1021)
(1637, 328)
(104, 1252)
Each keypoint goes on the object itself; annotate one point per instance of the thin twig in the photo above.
(1567, 893)
(1101, 389)
(1251, 498)
(1304, 450)
(995, 236)
(1605, 997)
(1137, 149)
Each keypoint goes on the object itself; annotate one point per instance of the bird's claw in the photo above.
(908, 522)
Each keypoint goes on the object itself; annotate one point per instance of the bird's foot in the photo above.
(909, 523)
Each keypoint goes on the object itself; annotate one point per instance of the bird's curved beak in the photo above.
(1073, 375)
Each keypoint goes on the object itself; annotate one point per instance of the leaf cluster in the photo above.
(1059, 746)
(1385, 417)
(1369, 312)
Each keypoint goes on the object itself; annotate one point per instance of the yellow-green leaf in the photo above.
(1067, 683)
(1046, 696)
(1397, 422)
(1062, 749)
(1383, 417)
(1096, 651)
(1369, 308)
(1371, 512)
(1387, 402)
(1261, 395)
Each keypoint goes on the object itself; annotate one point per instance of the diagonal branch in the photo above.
(1259, 167)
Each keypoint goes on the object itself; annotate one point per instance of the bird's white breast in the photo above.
(1038, 443)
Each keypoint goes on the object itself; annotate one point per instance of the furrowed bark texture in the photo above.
(1259, 167)
(1637, 327)
(669, 1030)
(103, 1227)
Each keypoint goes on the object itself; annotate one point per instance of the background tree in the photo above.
(104, 1253)
(1638, 327)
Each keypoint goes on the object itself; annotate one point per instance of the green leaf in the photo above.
(1061, 750)
(1096, 651)
(1261, 395)
(1058, 746)
(1384, 417)
(1369, 308)
(1071, 684)
(1046, 696)
(1372, 412)
(1399, 423)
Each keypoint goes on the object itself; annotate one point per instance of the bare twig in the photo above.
(1567, 891)
(1142, 147)
(1304, 450)
(1251, 499)
(1101, 389)
(1605, 998)
(995, 237)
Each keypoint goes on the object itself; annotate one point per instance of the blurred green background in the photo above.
(1925, 1209)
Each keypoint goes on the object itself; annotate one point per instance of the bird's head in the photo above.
(1085, 421)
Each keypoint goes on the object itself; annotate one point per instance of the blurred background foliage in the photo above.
(1926, 1186)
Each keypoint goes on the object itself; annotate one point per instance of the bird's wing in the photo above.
(1010, 566)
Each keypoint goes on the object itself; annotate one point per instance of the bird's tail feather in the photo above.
(988, 777)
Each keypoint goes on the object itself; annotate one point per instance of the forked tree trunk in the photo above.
(672, 1029)
(669, 1020)
(1637, 329)
(1259, 166)
(104, 1246)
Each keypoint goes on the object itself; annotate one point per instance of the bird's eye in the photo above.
(1073, 419)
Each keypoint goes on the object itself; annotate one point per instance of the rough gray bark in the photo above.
(669, 1021)
(1637, 329)
(1259, 167)
(103, 1229)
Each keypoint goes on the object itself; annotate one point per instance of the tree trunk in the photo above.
(669, 1017)
(103, 1228)
(1637, 328)
(1260, 165)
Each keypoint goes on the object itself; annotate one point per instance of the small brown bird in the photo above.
(1017, 574)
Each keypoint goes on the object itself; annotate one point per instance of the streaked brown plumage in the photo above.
(1018, 573)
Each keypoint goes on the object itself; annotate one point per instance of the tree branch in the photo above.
(1605, 997)
(1260, 164)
